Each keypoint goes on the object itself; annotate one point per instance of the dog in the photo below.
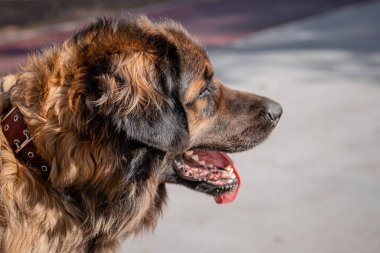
(103, 121)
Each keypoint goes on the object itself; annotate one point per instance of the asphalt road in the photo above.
(214, 22)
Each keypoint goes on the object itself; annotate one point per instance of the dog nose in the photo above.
(274, 110)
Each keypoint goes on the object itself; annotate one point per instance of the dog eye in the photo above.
(207, 91)
(204, 93)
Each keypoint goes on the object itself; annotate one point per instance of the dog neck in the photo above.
(19, 138)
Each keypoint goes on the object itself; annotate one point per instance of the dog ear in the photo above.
(141, 99)
(165, 128)
(158, 120)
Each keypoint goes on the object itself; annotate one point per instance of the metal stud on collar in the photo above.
(17, 143)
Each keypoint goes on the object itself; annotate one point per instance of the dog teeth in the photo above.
(228, 168)
(202, 163)
(189, 153)
(195, 157)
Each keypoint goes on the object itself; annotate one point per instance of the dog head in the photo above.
(126, 106)
(157, 86)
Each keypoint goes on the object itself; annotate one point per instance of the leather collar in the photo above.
(20, 140)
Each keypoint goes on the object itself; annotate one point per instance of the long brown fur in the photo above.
(110, 109)
(36, 216)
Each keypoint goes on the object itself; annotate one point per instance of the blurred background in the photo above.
(314, 186)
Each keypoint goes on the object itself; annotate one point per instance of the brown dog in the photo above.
(110, 116)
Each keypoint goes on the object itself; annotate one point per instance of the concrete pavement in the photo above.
(314, 186)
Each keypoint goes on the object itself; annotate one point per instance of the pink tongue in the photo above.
(221, 160)
(227, 197)
(230, 196)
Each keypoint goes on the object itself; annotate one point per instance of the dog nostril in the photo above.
(274, 110)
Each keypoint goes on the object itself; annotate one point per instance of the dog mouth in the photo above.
(211, 172)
